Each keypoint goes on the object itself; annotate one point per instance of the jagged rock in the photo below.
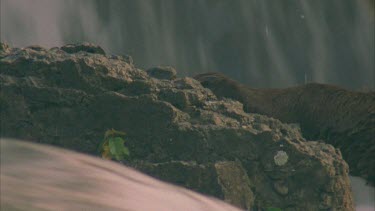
(187, 83)
(128, 59)
(4, 49)
(343, 118)
(162, 72)
(36, 48)
(4, 46)
(85, 47)
(225, 180)
(70, 100)
(235, 184)
(281, 187)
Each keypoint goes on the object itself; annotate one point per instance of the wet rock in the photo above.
(71, 99)
(187, 83)
(281, 158)
(281, 187)
(162, 72)
(85, 47)
(198, 177)
(177, 98)
(262, 127)
(225, 180)
(35, 48)
(345, 119)
(326, 201)
(4, 46)
(128, 59)
(235, 184)
(4, 49)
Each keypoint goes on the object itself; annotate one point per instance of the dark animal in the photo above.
(37, 177)
(343, 118)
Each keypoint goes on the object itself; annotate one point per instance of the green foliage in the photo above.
(113, 146)
(273, 209)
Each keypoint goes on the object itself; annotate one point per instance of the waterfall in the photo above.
(31, 22)
(262, 43)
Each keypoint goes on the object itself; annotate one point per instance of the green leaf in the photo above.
(126, 151)
(116, 145)
(113, 145)
(117, 148)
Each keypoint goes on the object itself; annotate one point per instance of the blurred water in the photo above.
(263, 43)
(364, 195)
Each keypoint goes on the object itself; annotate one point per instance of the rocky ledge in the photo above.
(177, 130)
(343, 118)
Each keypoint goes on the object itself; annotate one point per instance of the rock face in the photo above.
(85, 47)
(162, 72)
(342, 118)
(230, 182)
(176, 129)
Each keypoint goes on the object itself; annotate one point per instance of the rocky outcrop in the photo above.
(85, 47)
(172, 126)
(227, 180)
(162, 72)
(340, 117)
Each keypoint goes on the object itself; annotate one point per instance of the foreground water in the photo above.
(40, 178)
(364, 195)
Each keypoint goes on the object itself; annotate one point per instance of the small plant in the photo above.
(113, 147)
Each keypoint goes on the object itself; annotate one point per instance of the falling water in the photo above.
(263, 43)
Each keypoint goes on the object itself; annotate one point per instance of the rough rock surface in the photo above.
(86, 47)
(71, 99)
(162, 72)
(232, 183)
(340, 117)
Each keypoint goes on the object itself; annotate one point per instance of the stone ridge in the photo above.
(71, 99)
(343, 118)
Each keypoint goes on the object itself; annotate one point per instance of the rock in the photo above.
(187, 83)
(235, 184)
(345, 119)
(71, 99)
(4, 49)
(281, 187)
(177, 98)
(36, 48)
(162, 72)
(38, 177)
(128, 59)
(281, 158)
(326, 201)
(4, 46)
(225, 180)
(85, 47)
